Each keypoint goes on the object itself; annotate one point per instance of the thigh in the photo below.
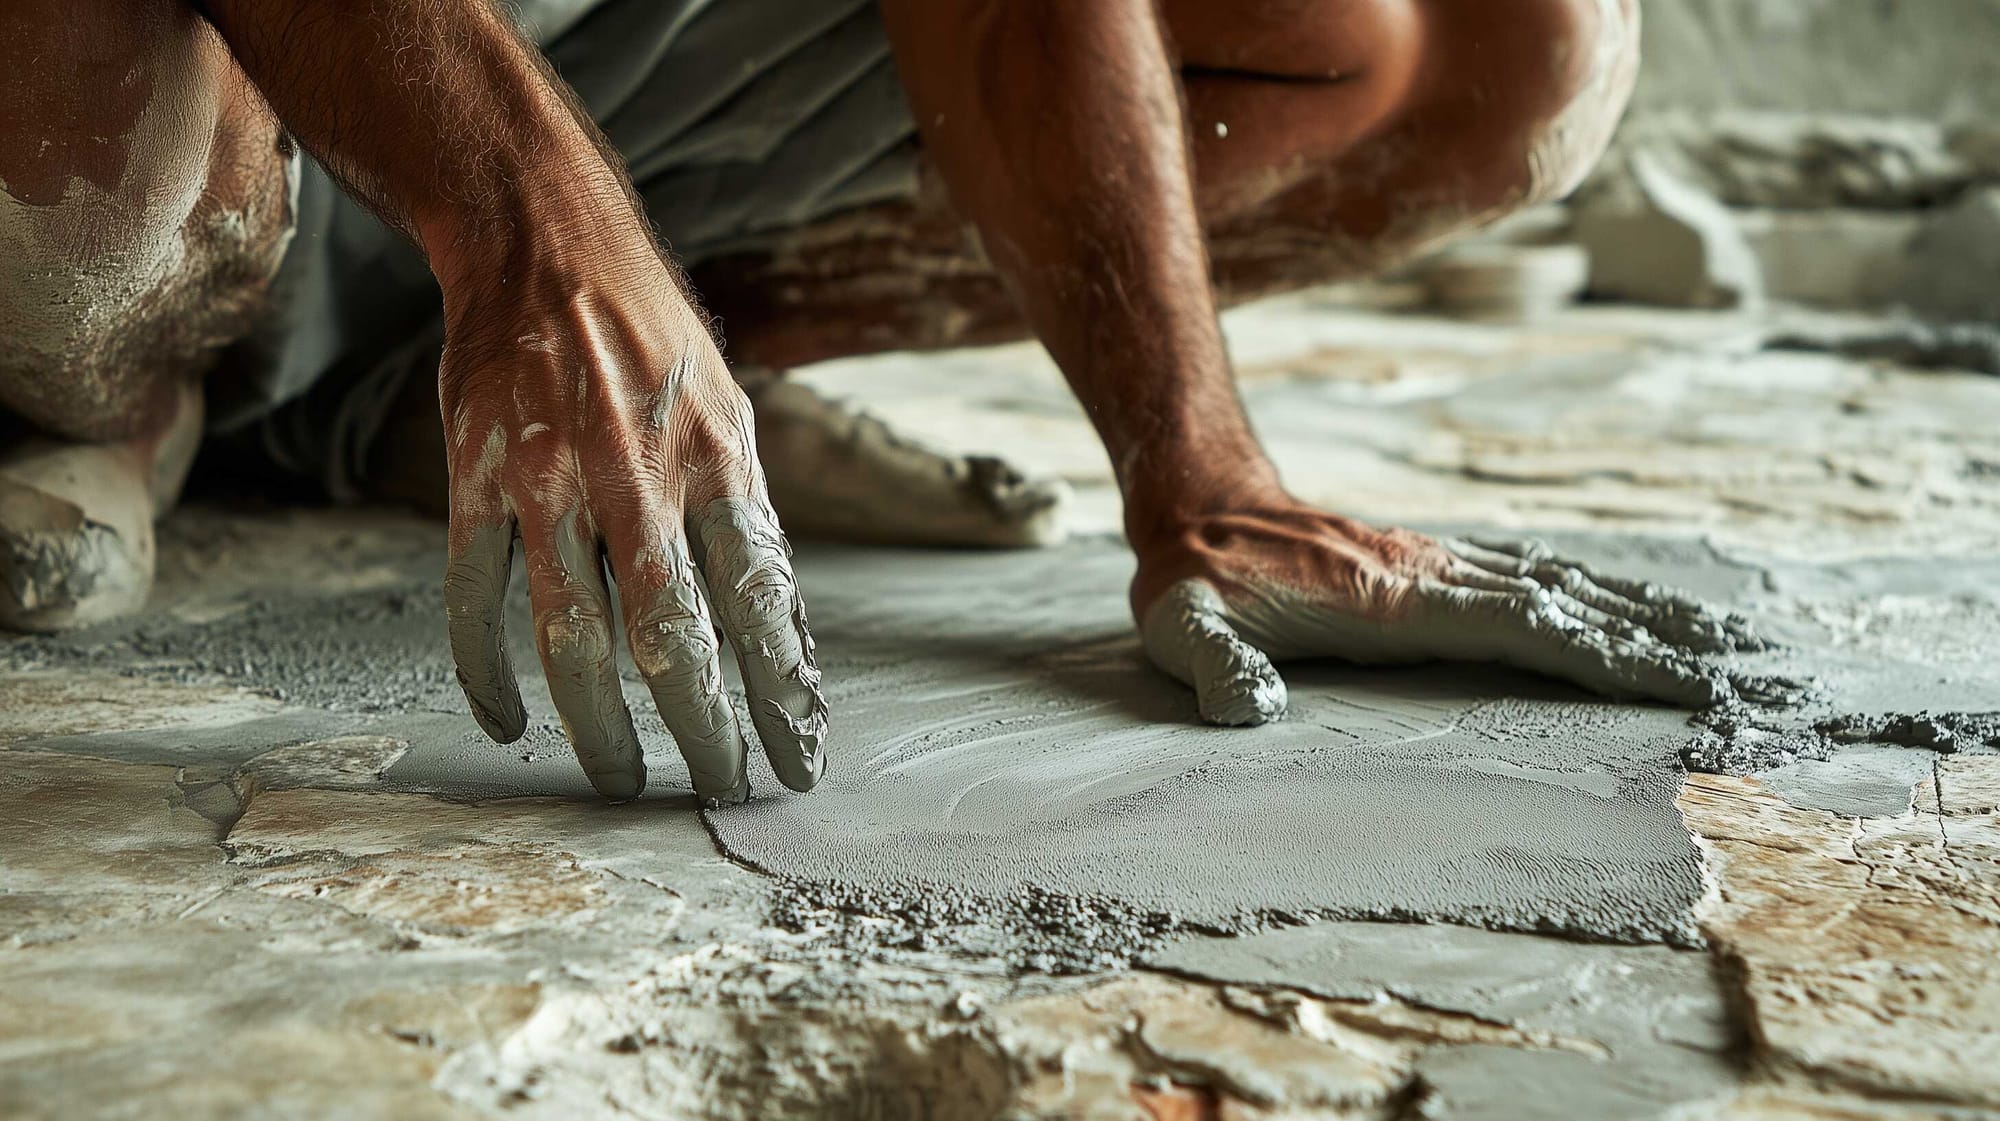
(1300, 39)
(1496, 106)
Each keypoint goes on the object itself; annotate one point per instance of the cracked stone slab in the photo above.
(1867, 947)
(52, 702)
(1649, 1027)
(362, 945)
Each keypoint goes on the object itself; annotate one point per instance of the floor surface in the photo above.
(256, 861)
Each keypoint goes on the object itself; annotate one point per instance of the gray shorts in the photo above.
(736, 118)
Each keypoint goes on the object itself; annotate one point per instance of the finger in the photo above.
(674, 646)
(1521, 549)
(1186, 634)
(1584, 612)
(1535, 633)
(1670, 615)
(749, 572)
(1472, 575)
(573, 632)
(1679, 613)
(1486, 579)
(475, 598)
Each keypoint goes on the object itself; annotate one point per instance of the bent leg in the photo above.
(1459, 113)
(142, 211)
(1331, 139)
(1354, 135)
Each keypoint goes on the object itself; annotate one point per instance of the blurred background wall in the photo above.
(1938, 60)
(1843, 154)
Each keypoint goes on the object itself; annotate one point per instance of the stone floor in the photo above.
(255, 862)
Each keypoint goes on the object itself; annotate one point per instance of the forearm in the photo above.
(437, 115)
(1058, 130)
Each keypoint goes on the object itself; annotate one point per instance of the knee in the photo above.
(114, 221)
(106, 98)
(1597, 55)
(103, 157)
(1545, 84)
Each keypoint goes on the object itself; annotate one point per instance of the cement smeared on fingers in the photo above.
(573, 630)
(475, 594)
(757, 601)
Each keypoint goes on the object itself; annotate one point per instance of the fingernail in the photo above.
(619, 786)
(500, 727)
(728, 796)
(489, 722)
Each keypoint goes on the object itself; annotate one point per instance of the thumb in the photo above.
(1185, 634)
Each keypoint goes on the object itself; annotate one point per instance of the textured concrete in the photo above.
(259, 863)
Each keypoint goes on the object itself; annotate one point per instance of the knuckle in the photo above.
(1377, 584)
(706, 443)
(717, 427)
(672, 646)
(768, 596)
(574, 635)
(1408, 551)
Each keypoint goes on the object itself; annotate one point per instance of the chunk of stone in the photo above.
(341, 763)
(838, 473)
(1147, 1046)
(1837, 258)
(1809, 161)
(1661, 240)
(1866, 949)
(1955, 262)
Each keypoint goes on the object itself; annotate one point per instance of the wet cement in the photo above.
(1000, 740)
(1037, 776)
(1901, 654)
(1008, 775)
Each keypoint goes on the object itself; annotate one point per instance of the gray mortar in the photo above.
(1025, 798)
(1026, 753)
(1871, 719)
(370, 651)
(1010, 780)
(1856, 782)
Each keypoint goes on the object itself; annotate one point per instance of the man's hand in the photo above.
(602, 426)
(1223, 594)
(586, 409)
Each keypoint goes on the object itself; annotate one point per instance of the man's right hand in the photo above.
(586, 410)
(594, 421)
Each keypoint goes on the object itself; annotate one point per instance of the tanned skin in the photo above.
(1097, 232)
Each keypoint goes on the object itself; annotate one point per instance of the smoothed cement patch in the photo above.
(999, 740)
